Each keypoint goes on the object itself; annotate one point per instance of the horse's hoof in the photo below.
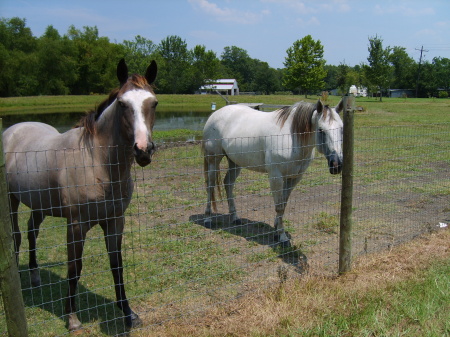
(35, 278)
(133, 321)
(285, 244)
(75, 324)
(36, 283)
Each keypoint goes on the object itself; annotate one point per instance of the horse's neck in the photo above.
(108, 138)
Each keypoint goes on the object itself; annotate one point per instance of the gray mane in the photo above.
(301, 118)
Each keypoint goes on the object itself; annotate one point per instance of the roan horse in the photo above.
(84, 175)
(279, 143)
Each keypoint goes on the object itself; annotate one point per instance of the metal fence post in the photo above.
(345, 233)
(16, 321)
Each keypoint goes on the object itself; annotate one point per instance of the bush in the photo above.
(443, 94)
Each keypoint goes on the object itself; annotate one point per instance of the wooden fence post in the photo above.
(16, 321)
(345, 233)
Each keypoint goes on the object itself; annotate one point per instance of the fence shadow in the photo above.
(258, 232)
(51, 297)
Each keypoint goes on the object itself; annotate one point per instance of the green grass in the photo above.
(81, 103)
(414, 307)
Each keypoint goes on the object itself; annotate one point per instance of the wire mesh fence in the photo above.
(175, 266)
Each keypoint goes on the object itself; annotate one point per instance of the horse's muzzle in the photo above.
(334, 163)
(144, 157)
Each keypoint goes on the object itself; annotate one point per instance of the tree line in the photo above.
(82, 62)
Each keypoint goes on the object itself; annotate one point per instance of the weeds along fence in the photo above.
(174, 266)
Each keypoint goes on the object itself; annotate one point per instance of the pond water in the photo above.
(64, 121)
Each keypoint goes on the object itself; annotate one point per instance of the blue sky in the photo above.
(264, 28)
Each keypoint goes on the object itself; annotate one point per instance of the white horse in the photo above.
(280, 143)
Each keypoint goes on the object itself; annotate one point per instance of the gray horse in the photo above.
(83, 175)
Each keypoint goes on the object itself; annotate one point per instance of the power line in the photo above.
(418, 71)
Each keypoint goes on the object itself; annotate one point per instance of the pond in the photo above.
(165, 121)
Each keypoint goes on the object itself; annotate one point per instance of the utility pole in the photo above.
(418, 71)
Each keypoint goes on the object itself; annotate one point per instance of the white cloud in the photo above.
(226, 14)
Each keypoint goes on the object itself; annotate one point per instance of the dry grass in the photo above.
(304, 303)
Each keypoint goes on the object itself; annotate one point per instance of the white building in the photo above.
(224, 86)
(358, 91)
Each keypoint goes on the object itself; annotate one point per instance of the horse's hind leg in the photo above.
(14, 205)
(113, 230)
(34, 222)
(211, 168)
(229, 181)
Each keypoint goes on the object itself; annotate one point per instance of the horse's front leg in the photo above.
(229, 181)
(76, 234)
(277, 189)
(34, 223)
(113, 230)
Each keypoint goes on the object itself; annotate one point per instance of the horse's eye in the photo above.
(122, 104)
(320, 130)
(155, 105)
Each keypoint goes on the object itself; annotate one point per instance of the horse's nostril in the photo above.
(151, 147)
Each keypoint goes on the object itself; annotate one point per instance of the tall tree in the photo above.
(331, 77)
(205, 66)
(237, 65)
(342, 75)
(404, 68)
(441, 66)
(378, 72)
(18, 60)
(57, 63)
(96, 61)
(139, 53)
(174, 65)
(265, 79)
(305, 66)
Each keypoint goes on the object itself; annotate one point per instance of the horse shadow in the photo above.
(51, 296)
(258, 232)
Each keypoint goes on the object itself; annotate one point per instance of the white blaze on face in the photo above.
(135, 99)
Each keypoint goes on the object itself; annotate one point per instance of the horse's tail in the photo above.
(215, 182)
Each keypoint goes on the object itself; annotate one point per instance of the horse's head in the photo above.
(328, 129)
(137, 102)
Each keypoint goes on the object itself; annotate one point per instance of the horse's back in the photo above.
(243, 134)
(234, 121)
(29, 136)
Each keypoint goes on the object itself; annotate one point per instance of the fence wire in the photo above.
(175, 266)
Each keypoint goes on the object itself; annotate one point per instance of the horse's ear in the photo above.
(340, 106)
(319, 106)
(122, 72)
(151, 72)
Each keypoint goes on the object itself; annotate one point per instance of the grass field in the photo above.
(184, 279)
